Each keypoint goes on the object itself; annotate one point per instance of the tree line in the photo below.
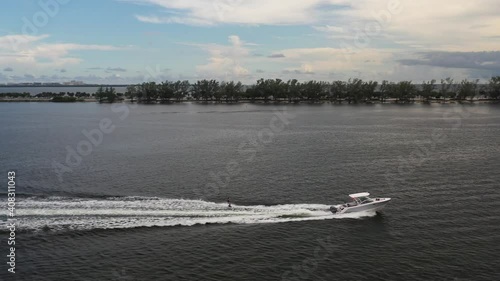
(46, 95)
(292, 91)
(107, 94)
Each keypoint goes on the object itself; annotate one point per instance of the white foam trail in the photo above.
(58, 213)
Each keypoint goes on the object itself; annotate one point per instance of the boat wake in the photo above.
(60, 213)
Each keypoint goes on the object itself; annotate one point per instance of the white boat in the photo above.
(361, 203)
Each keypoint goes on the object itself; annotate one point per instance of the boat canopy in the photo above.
(358, 195)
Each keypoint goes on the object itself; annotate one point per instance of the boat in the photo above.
(361, 203)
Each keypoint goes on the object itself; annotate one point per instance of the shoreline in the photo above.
(259, 102)
(43, 100)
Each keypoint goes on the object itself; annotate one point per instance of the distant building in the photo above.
(74, 83)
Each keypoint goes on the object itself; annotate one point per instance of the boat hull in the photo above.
(374, 206)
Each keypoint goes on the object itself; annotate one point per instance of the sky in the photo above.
(133, 41)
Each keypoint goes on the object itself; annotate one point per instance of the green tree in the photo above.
(263, 89)
(446, 90)
(131, 92)
(100, 95)
(205, 89)
(368, 90)
(251, 93)
(279, 89)
(314, 90)
(110, 94)
(196, 91)
(467, 89)
(405, 91)
(494, 87)
(107, 94)
(384, 91)
(181, 90)
(219, 93)
(148, 92)
(354, 90)
(294, 90)
(428, 88)
(166, 91)
(231, 91)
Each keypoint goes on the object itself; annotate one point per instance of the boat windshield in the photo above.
(363, 200)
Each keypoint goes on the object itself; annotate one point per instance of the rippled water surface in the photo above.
(148, 202)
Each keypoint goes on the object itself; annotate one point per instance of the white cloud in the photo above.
(18, 41)
(231, 62)
(31, 52)
(451, 25)
(225, 61)
(335, 32)
(374, 64)
(159, 20)
(414, 26)
(454, 25)
(398, 29)
(254, 12)
(320, 63)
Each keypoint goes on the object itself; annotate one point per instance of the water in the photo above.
(66, 89)
(149, 202)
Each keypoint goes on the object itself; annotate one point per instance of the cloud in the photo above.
(18, 41)
(260, 71)
(337, 32)
(434, 37)
(252, 12)
(89, 79)
(297, 71)
(8, 69)
(225, 61)
(333, 59)
(276, 56)
(179, 20)
(446, 25)
(423, 28)
(116, 69)
(33, 52)
(418, 73)
(466, 60)
(330, 28)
